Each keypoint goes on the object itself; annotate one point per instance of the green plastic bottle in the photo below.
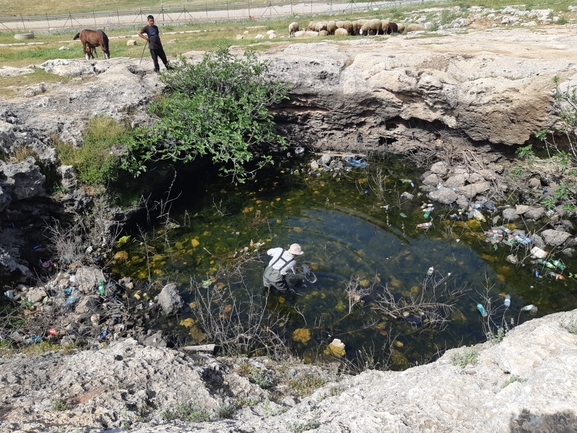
(101, 288)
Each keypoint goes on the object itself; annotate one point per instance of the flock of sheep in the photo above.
(349, 28)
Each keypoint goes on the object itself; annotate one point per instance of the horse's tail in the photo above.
(105, 41)
(76, 36)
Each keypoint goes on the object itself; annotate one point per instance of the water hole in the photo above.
(357, 232)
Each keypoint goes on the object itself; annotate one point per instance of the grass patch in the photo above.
(187, 411)
(60, 405)
(11, 86)
(464, 357)
(514, 378)
(570, 326)
(94, 161)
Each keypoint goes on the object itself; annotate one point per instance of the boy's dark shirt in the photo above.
(153, 37)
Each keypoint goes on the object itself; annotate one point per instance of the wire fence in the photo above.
(188, 14)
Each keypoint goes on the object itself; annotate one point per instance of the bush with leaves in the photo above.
(217, 107)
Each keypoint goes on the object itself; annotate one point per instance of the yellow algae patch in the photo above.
(141, 275)
(364, 282)
(248, 209)
(122, 241)
(136, 260)
(398, 343)
(336, 348)
(121, 255)
(258, 201)
(298, 229)
(220, 285)
(187, 322)
(302, 335)
(395, 282)
(501, 277)
(197, 334)
(488, 258)
(192, 305)
(340, 306)
(278, 199)
(474, 224)
(137, 294)
(194, 242)
(157, 258)
(157, 272)
(278, 221)
(206, 233)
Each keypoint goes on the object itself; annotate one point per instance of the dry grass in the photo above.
(55, 7)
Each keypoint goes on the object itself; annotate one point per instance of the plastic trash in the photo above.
(430, 271)
(529, 307)
(9, 294)
(556, 276)
(507, 301)
(71, 300)
(538, 253)
(101, 288)
(425, 225)
(104, 333)
(558, 264)
(546, 264)
(354, 162)
(482, 310)
(299, 150)
(536, 273)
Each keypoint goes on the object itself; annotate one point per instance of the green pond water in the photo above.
(353, 226)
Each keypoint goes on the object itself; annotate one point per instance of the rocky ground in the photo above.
(460, 100)
(524, 383)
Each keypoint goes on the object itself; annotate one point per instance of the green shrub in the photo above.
(464, 357)
(187, 411)
(570, 326)
(60, 405)
(94, 161)
(512, 379)
(216, 108)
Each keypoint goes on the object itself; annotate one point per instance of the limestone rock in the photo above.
(555, 237)
(170, 300)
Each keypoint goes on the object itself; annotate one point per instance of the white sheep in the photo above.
(293, 28)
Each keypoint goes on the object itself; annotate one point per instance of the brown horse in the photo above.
(90, 40)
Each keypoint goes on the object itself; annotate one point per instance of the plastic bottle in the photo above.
(430, 271)
(425, 225)
(556, 276)
(507, 301)
(482, 310)
(529, 307)
(101, 288)
(547, 264)
(558, 264)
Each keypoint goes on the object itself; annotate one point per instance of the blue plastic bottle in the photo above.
(482, 310)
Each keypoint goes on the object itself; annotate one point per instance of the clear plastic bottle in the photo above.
(507, 301)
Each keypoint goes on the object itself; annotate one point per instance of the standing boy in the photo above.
(154, 44)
